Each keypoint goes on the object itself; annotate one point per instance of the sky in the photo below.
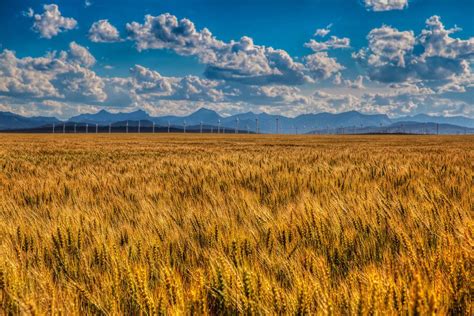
(289, 57)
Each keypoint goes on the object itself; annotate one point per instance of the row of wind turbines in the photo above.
(220, 128)
(94, 128)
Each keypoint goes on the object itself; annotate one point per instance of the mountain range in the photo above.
(10, 120)
(267, 123)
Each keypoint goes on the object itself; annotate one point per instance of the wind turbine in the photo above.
(53, 127)
(200, 128)
(64, 128)
(218, 126)
(153, 131)
(237, 126)
(139, 126)
(184, 126)
(75, 128)
(256, 125)
(126, 128)
(87, 128)
(168, 126)
(110, 128)
(96, 128)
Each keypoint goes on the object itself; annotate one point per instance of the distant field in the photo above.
(224, 224)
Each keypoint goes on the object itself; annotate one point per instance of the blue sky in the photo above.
(398, 57)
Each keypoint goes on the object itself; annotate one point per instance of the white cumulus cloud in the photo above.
(333, 43)
(441, 61)
(321, 66)
(103, 32)
(385, 5)
(50, 23)
(63, 76)
(81, 55)
(240, 61)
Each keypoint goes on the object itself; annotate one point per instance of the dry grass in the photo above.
(151, 224)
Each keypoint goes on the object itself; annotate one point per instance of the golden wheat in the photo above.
(191, 224)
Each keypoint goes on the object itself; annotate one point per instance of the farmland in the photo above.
(227, 224)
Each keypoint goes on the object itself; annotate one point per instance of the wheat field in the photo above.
(236, 224)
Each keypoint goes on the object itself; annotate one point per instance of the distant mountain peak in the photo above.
(139, 111)
(103, 116)
(204, 110)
